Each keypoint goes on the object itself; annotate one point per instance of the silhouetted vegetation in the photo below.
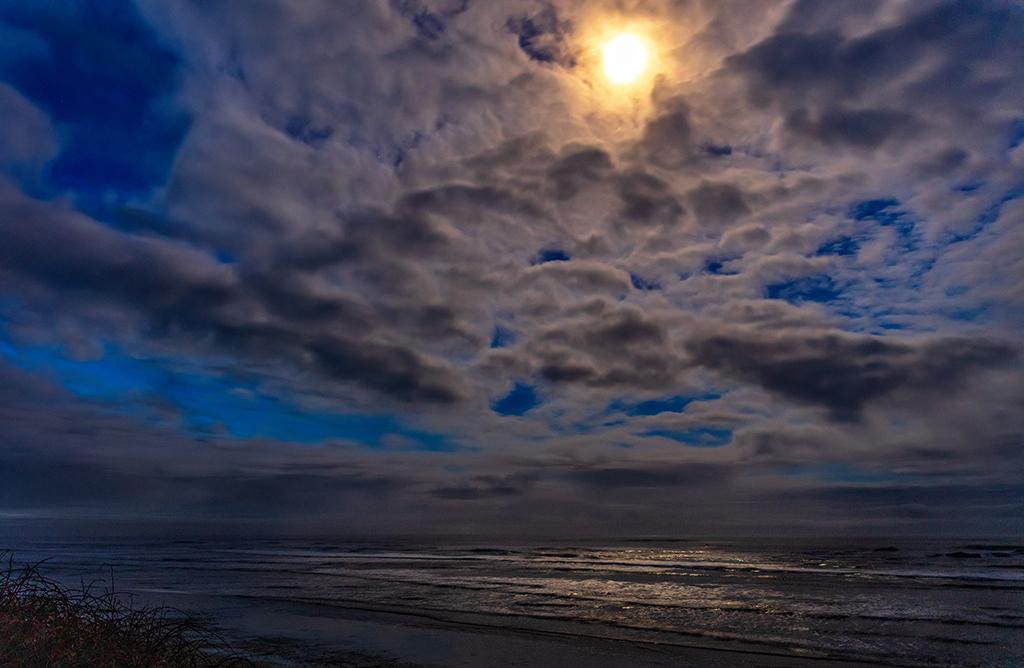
(45, 624)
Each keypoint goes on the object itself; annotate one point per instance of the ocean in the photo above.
(650, 602)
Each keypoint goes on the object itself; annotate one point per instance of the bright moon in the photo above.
(625, 58)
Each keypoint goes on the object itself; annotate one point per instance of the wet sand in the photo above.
(336, 635)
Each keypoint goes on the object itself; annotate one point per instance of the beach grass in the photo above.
(46, 624)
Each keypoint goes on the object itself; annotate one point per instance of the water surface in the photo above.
(905, 603)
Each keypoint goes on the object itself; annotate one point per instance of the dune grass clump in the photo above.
(45, 624)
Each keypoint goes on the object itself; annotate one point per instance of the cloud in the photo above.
(865, 128)
(439, 213)
(691, 475)
(30, 140)
(844, 372)
(179, 291)
(718, 204)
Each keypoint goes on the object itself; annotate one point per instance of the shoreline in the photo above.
(412, 639)
(416, 606)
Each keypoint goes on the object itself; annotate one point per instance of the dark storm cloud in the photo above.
(62, 457)
(692, 475)
(667, 138)
(607, 346)
(987, 505)
(487, 487)
(865, 128)
(89, 487)
(718, 204)
(803, 61)
(580, 166)
(584, 275)
(29, 142)
(854, 90)
(269, 496)
(394, 370)
(374, 244)
(179, 291)
(646, 199)
(71, 252)
(460, 200)
(843, 372)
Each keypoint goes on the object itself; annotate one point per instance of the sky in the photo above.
(392, 266)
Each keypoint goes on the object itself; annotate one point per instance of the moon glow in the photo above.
(625, 58)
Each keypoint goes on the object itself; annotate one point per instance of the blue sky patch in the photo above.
(502, 337)
(874, 209)
(887, 213)
(107, 84)
(642, 284)
(303, 130)
(673, 404)
(819, 288)
(975, 314)
(717, 267)
(970, 187)
(699, 437)
(551, 255)
(429, 24)
(989, 215)
(843, 246)
(519, 401)
(541, 36)
(204, 404)
(1016, 134)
